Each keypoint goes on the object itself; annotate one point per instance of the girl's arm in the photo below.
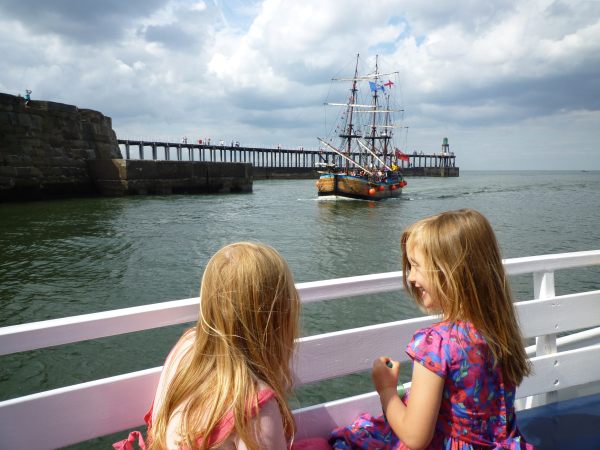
(414, 423)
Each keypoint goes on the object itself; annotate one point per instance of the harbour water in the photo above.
(67, 257)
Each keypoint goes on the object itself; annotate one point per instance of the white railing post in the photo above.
(543, 288)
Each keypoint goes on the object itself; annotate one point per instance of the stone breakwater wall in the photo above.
(135, 177)
(284, 173)
(50, 149)
(45, 146)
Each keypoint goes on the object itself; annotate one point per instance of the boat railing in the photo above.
(76, 413)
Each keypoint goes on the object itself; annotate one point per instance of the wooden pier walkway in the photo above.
(434, 164)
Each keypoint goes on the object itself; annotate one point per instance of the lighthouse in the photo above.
(445, 147)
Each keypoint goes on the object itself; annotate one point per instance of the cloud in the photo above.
(522, 65)
(171, 36)
(262, 69)
(82, 21)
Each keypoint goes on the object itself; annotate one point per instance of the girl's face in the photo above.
(417, 277)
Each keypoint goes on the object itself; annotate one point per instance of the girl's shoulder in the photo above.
(439, 330)
(453, 327)
(449, 332)
(265, 392)
(183, 345)
(441, 346)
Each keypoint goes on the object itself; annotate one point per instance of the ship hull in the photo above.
(342, 185)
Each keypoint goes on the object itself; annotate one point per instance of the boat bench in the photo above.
(567, 424)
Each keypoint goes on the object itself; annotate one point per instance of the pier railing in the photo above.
(80, 412)
(260, 156)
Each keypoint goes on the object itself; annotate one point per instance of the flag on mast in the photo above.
(376, 87)
(401, 156)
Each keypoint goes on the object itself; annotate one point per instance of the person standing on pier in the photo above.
(467, 366)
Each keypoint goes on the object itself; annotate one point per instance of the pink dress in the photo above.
(477, 408)
(267, 415)
(221, 432)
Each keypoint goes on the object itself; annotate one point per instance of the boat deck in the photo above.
(566, 424)
(560, 398)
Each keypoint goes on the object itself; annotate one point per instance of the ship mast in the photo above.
(387, 130)
(375, 97)
(350, 127)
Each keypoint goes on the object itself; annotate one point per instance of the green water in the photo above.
(69, 257)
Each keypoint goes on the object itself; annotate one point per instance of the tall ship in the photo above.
(363, 162)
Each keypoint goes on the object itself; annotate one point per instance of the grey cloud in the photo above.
(518, 99)
(470, 14)
(288, 119)
(300, 72)
(251, 99)
(82, 21)
(557, 93)
(171, 36)
(190, 28)
(558, 9)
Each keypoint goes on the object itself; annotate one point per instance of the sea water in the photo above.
(67, 257)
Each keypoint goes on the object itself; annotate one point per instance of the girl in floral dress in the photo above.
(467, 366)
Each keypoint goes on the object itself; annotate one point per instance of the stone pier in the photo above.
(50, 149)
(121, 177)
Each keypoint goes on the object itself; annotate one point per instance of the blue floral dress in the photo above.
(477, 408)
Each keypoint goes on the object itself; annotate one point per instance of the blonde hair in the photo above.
(249, 310)
(467, 281)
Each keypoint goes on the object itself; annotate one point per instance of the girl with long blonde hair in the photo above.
(468, 365)
(224, 384)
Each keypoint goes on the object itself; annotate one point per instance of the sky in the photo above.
(511, 84)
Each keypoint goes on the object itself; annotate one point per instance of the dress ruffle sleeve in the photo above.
(429, 348)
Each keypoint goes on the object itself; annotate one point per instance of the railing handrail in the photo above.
(47, 333)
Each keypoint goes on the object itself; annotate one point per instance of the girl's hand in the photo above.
(385, 377)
